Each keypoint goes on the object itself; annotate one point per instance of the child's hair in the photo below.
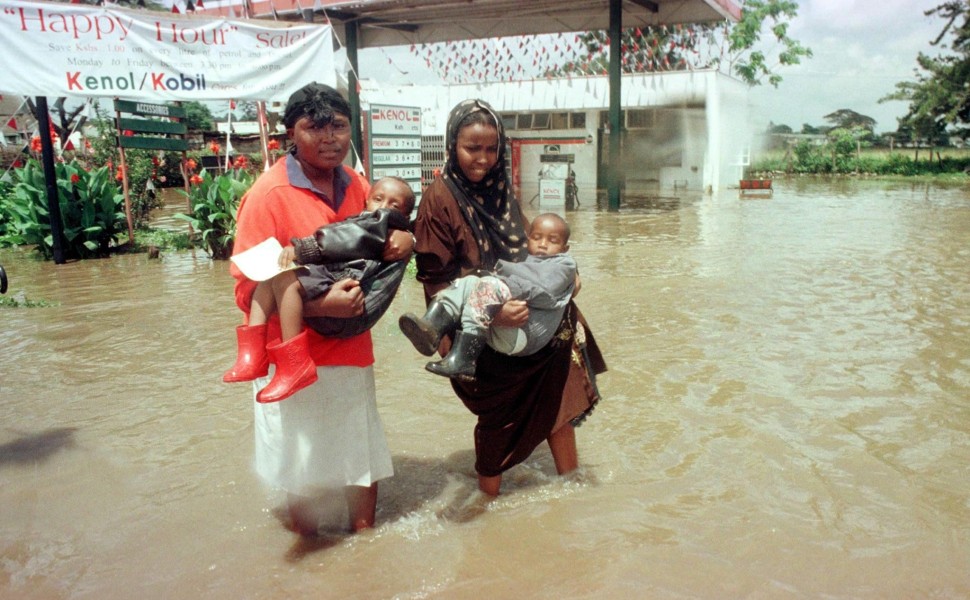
(409, 199)
(316, 101)
(553, 217)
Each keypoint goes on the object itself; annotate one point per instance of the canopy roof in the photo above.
(404, 22)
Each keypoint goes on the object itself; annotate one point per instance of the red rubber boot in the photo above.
(294, 369)
(251, 358)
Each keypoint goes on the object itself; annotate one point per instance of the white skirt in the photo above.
(328, 435)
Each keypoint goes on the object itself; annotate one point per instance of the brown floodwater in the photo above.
(786, 415)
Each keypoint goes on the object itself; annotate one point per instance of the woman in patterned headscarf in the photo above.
(468, 219)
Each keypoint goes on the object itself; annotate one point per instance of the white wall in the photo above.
(715, 134)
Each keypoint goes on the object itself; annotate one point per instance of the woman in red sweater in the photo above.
(328, 436)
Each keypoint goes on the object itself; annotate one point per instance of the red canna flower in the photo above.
(35, 145)
(190, 164)
(195, 179)
(75, 178)
(273, 145)
(215, 148)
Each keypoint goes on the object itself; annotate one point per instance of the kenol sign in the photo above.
(395, 120)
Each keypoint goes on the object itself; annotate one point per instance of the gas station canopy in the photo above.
(403, 22)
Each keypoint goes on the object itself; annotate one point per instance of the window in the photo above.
(540, 121)
(508, 121)
(559, 121)
(605, 118)
(639, 119)
(523, 122)
(577, 120)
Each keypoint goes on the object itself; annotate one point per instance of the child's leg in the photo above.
(288, 294)
(251, 360)
(264, 303)
(483, 302)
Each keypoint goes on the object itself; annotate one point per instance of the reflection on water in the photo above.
(787, 414)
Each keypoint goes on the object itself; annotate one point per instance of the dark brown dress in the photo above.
(519, 401)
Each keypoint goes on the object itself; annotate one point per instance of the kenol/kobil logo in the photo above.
(77, 81)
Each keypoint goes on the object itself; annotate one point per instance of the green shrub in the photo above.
(91, 207)
(214, 202)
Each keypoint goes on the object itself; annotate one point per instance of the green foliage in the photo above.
(162, 239)
(147, 170)
(90, 205)
(752, 65)
(808, 158)
(198, 117)
(850, 119)
(939, 98)
(215, 201)
(21, 301)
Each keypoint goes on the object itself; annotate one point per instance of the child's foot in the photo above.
(422, 334)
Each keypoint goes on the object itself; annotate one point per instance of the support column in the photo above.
(613, 157)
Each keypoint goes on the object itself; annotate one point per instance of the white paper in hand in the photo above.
(262, 261)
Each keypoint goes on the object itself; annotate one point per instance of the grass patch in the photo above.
(21, 301)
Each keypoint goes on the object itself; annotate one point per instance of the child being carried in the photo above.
(546, 281)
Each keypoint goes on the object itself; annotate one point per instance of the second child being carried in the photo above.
(546, 280)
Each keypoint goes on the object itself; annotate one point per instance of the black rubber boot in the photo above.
(426, 332)
(460, 362)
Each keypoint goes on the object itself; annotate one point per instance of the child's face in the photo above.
(390, 194)
(477, 150)
(547, 238)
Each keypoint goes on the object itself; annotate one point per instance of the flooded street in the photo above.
(786, 415)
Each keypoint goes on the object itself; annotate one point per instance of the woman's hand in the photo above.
(514, 313)
(399, 245)
(345, 299)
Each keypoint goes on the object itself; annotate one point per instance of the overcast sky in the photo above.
(861, 49)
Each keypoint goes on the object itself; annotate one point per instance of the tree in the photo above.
(198, 117)
(849, 119)
(62, 119)
(751, 64)
(940, 97)
(779, 129)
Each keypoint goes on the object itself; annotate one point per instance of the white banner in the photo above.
(54, 49)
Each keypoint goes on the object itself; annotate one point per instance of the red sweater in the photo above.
(274, 208)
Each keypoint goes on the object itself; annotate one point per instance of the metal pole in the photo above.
(613, 158)
(353, 94)
(50, 178)
(124, 181)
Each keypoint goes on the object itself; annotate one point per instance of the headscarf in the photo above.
(489, 206)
